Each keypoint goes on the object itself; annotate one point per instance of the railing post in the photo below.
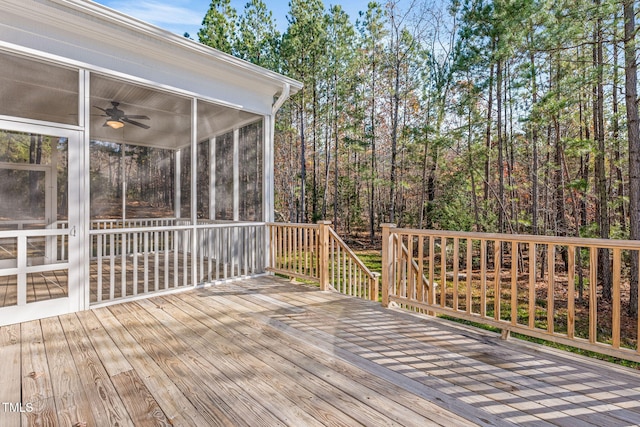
(387, 262)
(374, 287)
(323, 256)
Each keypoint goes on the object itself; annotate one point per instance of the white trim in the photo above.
(194, 189)
(177, 192)
(268, 169)
(194, 161)
(123, 177)
(115, 21)
(236, 174)
(212, 178)
(39, 310)
(85, 207)
(41, 123)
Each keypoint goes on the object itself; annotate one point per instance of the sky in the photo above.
(180, 16)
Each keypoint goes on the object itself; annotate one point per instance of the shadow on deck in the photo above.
(266, 352)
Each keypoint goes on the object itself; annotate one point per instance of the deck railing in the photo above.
(540, 286)
(133, 261)
(315, 252)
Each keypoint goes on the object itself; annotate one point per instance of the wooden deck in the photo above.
(266, 352)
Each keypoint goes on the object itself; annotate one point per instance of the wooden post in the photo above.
(374, 287)
(323, 255)
(387, 262)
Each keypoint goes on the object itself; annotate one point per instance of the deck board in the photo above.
(10, 380)
(72, 405)
(106, 406)
(36, 381)
(264, 351)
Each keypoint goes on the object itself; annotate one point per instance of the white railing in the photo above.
(133, 261)
(24, 253)
(230, 250)
(109, 224)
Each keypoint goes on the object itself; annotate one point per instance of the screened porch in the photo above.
(114, 188)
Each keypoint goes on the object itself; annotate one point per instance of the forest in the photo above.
(474, 115)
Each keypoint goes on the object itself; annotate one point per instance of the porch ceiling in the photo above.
(169, 115)
(40, 91)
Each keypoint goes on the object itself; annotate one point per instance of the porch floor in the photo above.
(267, 352)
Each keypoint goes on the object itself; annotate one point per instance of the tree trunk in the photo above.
(395, 105)
(602, 211)
(633, 132)
(500, 166)
(302, 217)
(487, 162)
(617, 169)
(373, 173)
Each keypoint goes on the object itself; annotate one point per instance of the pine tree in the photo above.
(219, 26)
(258, 39)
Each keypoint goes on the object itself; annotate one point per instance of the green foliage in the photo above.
(413, 87)
(258, 39)
(219, 26)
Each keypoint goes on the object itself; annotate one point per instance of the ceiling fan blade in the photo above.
(142, 125)
(130, 116)
(101, 109)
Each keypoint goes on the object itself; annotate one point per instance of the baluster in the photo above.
(497, 268)
(551, 285)
(156, 261)
(146, 261)
(112, 265)
(99, 266)
(443, 271)
(533, 255)
(420, 281)
(571, 288)
(123, 261)
(593, 296)
(514, 282)
(469, 274)
(134, 238)
(456, 268)
(616, 298)
(431, 291)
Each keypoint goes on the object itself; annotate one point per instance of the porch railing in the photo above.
(315, 252)
(540, 286)
(132, 261)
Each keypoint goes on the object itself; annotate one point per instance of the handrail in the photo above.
(315, 252)
(533, 238)
(40, 232)
(356, 285)
(544, 287)
(174, 227)
(352, 254)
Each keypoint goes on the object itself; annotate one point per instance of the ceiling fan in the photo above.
(116, 118)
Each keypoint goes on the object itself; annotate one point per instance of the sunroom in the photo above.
(132, 160)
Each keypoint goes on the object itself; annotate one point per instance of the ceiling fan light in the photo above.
(115, 124)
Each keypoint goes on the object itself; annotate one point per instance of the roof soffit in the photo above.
(107, 27)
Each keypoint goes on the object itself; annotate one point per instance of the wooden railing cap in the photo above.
(388, 224)
(322, 222)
